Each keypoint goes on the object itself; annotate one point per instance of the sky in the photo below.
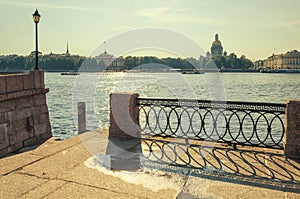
(255, 28)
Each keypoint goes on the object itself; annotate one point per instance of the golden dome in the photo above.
(216, 48)
(217, 42)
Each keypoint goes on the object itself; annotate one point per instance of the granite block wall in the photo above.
(24, 117)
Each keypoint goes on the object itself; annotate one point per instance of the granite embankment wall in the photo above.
(24, 117)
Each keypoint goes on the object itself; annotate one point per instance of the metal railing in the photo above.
(244, 123)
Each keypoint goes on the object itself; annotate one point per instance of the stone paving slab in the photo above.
(10, 164)
(59, 169)
(56, 170)
(84, 175)
(58, 163)
(196, 187)
(70, 190)
(44, 190)
(53, 146)
(14, 184)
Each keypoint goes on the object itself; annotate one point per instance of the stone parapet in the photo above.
(24, 117)
(124, 115)
(291, 140)
(21, 82)
(124, 145)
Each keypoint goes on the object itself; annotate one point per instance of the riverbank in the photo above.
(190, 71)
(65, 169)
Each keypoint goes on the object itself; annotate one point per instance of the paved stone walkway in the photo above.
(65, 169)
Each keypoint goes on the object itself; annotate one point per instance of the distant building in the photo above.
(105, 57)
(289, 60)
(259, 64)
(6, 57)
(118, 64)
(109, 61)
(216, 48)
(67, 52)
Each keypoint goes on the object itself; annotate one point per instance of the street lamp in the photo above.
(36, 19)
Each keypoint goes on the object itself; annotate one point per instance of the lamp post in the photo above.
(36, 19)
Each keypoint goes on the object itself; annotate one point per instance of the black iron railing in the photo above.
(245, 123)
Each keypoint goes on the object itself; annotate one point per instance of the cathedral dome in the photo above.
(216, 48)
(217, 43)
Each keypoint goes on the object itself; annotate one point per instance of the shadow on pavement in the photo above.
(266, 168)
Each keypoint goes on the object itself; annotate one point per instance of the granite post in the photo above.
(81, 117)
(291, 140)
(124, 146)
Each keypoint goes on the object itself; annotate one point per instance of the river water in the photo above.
(94, 89)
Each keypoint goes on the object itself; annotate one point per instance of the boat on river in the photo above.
(280, 71)
(70, 73)
(191, 71)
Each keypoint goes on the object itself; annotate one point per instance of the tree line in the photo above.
(176, 63)
(48, 63)
(73, 63)
(230, 61)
